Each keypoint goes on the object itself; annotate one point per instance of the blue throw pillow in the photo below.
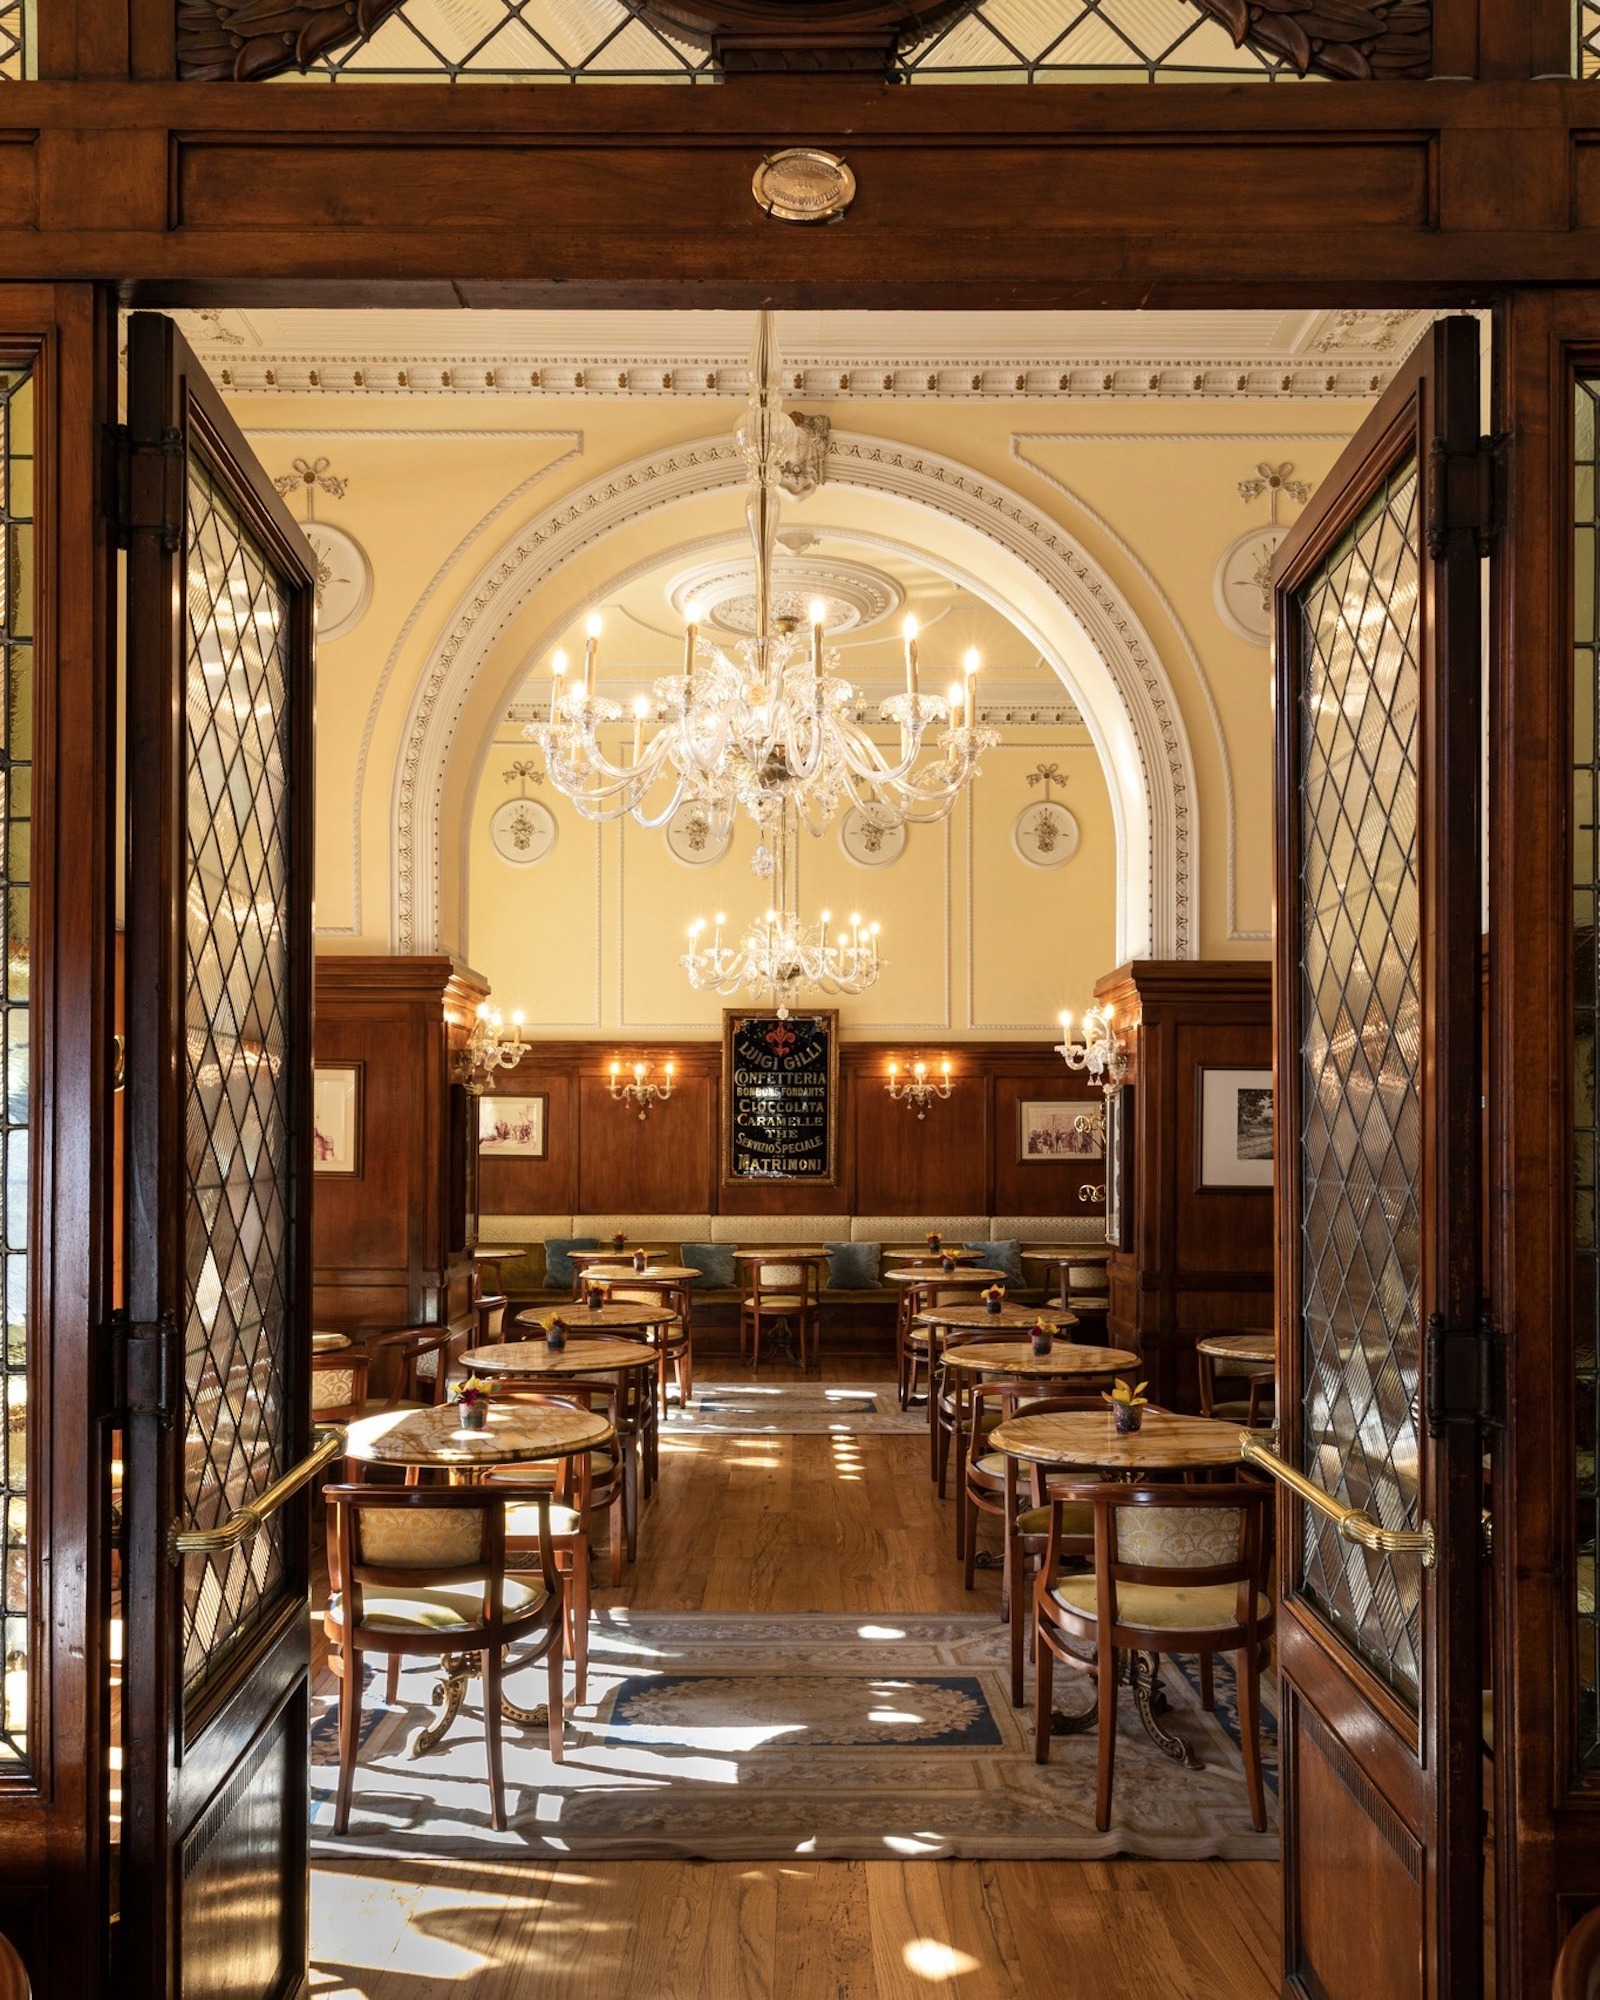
(559, 1275)
(714, 1262)
(854, 1267)
(1005, 1256)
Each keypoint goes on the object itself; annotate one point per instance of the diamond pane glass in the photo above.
(613, 41)
(1586, 38)
(236, 1002)
(1360, 1041)
(1586, 1016)
(16, 793)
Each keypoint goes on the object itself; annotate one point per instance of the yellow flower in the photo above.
(1131, 1394)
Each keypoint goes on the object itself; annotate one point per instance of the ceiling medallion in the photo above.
(852, 595)
(804, 184)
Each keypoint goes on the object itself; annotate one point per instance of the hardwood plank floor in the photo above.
(793, 1524)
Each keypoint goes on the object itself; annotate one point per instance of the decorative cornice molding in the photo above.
(1352, 40)
(1329, 377)
(1158, 819)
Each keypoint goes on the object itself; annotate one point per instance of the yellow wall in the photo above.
(1147, 491)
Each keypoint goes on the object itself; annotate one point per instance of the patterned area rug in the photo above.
(759, 1737)
(799, 1409)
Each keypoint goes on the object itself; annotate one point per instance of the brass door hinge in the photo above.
(1466, 494)
(1463, 1366)
(144, 486)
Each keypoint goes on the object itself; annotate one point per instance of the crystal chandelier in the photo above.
(767, 727)
(780, 956)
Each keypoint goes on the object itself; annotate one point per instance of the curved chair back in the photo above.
(339, 1385)
(1578, 1967)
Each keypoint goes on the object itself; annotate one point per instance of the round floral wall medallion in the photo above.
(870, 842)
(1045, 834)
(344, 578)
(1242, 586)
(695, 838)
(523, 831)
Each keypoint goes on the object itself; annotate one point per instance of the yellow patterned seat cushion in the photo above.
(1159, 1607)
(522, 1523)
(436, 1607)
(1077, 1518)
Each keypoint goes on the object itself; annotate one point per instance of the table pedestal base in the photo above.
(1142, 1673)
(449, 1691)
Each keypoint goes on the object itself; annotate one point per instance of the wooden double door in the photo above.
(1438, 1352)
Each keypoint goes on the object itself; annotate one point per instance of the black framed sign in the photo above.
(780, 1093)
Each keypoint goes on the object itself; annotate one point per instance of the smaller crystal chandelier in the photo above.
(1102, 1055)
(489, 1048)
(640, 1091)
(780, 957)
(917, 1093)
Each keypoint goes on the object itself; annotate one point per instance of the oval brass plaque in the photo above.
(804, 184)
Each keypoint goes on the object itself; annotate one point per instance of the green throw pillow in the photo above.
(1003, 1256)
(714, 1262)
(559, 1275)
(854, 1267)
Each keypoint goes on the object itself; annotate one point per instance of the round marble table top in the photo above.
(1016, 1357)
(624, 1274)
(975, 1319)
(1166, 1443)
(582, 1320)
(514, 1432)
(578, 1357)
(1256, 1347)
(959, 1251)
(964, 1277)
(330, 1343)
(497, 1253)
(1066, 1253)
(781, 1253)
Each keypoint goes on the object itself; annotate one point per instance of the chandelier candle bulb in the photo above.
(591, 648)
(691, 639)
(971, 664)
(819, 616)
(641, 708)
(909, 632)
(558, 669)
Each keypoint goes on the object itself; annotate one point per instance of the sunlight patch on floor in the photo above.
(361, 1923)
(936, 1962)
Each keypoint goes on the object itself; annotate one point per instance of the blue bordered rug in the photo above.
(759, 1736)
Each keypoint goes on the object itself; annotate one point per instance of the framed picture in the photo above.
(336, 1100)
(1119, 1187)
(780, 1095)
(513, 1128)
(1047, 1130)
(1233, 1143)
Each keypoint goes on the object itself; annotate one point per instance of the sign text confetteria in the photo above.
(779, 1079)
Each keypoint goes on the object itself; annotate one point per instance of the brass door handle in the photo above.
(1352, 1523)
(245, 1523)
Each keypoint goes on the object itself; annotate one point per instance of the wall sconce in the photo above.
(489, 1048)
(640, 1091)
(1102, 1055)
(917, 1091)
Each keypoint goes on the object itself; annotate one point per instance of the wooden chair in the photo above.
(1177, 1569)
(603, 1481)
(674, 1342)
(1085, 1291)
(1260, 1396)
(773, 1292)
(339, 1385)
(13, 1973)
(950, 1399)
(1578, 1967)
(422, 1571)
(490, 1315)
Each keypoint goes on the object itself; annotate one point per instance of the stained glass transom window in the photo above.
(1586, 1018)
(16, 817)
(1018, 41)
(1360, 1037)
(16, 41)
(236, 1002)
(1586, 38)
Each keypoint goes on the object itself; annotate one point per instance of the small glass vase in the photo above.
(638, 1260)
(594, 1298)
(1042, 1344)
(993, 1306)
(556, 1339)
(473, 1416)
(1128, 1417)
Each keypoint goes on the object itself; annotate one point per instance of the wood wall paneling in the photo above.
(381, 1239)
(959, 1160)
(1198, 1261)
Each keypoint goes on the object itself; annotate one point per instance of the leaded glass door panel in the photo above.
(1378, 1080)
(220, 607)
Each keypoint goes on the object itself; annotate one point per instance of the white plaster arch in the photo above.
(1031, 569)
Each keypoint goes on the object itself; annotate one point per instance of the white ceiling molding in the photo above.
(1088, 356)
(1097, 647)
